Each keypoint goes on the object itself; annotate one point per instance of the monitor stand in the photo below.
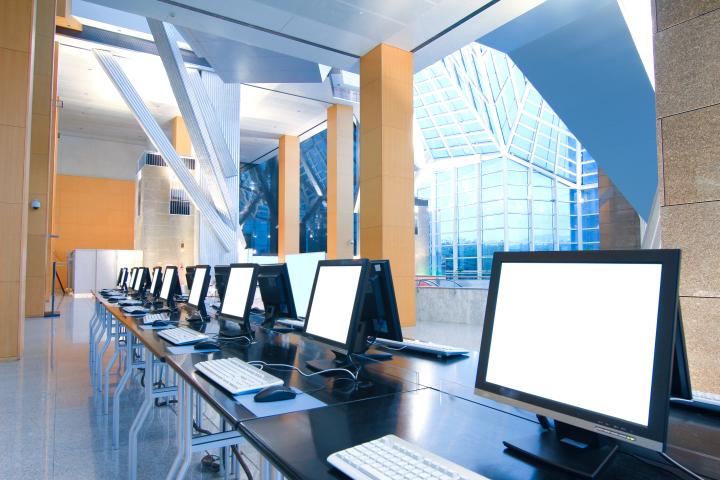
(200, 314)
(575, 450)
(341, 360)
(271, 315)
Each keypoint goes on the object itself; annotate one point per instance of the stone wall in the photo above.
(157, 233)
(687, 73)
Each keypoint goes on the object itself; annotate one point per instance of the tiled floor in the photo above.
(51, 423)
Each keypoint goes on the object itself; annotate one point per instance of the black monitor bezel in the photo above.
(350, 340)
(656, 430)
(281, 270)
(123, 277)
(203, 289)
(225, 272)
(386, 283)
(175, 282)
(245, 319)
(142, 271)
(130, 286)
(156, 291)
(189, 277)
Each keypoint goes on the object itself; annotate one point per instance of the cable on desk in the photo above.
(386, 347)
(681, 467)
(293, 367)
(667, 467)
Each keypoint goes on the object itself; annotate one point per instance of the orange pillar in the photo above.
(42, 156)
(340, 201)
(288, 196)
(16, 61)
(387, 219)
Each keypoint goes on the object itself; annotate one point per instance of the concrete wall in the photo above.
(451, 305)
(157, 233)
(91, 157)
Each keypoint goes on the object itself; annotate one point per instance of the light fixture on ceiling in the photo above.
(182, 247)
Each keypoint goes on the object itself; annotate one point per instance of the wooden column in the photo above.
(386, 168)
(181, 137)
(288, 196)
(42, 155)
(340, 200)
(16, 56)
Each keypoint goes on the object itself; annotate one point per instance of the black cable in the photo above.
(681, 467)
(665, 467)
(240, 459)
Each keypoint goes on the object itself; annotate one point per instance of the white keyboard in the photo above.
(151, 317)
(291, 322)
(420, 346)
(390, 458)
(236, 376)
(181, 336)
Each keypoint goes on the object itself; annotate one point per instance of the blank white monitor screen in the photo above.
(156, 275)
(578, 333)
(121, 277)
(167, 282)
(332, 302)
(138, 279)
(238, 289)
(197, 286)
(301, 269)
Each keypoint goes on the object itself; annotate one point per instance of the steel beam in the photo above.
(210, 146)
(156, 135)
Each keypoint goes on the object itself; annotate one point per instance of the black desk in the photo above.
(461, 431)
(457, 425)
(376, 379)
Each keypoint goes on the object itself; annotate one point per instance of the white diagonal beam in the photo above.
(162, 143)
(210, 148)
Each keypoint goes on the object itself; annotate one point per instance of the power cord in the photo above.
(666, 467)
(210, 460)
(681, 467)
(386, 347)
(260, 364)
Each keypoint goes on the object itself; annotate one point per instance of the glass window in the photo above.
(518, 221)
(517, 206)
(489, 208)
(493, 221)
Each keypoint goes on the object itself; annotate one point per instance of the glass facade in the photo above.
(258, 198)
(500, 171)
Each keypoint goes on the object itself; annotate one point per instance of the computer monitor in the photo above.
(170, 286)
(189, 277)
(140, 278)
(587, 339)
(131, 283)
(156, 282)
(276, 293)
(302, 268)
(239, 295)
(198, 292)
(380, 309)
(222, 272)
(334, 314)
(122, 277)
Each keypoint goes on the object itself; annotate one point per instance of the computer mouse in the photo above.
(207, 345)
(275, 393)
(160, 323)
